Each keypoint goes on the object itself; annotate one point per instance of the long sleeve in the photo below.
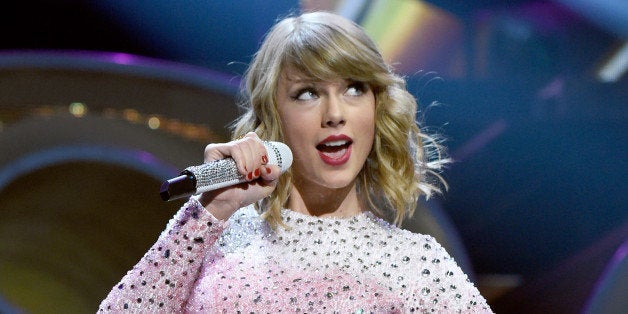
(163, 279)
(440, 285)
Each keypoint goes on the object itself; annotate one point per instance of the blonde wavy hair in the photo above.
(403, 164)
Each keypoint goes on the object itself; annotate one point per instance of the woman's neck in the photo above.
(324, 202)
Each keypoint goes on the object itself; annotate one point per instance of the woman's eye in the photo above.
(306, 94)
(356, 89)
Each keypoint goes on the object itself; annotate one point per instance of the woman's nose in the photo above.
(334, 114)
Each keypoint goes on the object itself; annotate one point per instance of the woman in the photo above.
(310, 240)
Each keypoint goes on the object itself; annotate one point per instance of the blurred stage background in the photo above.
(100, 101)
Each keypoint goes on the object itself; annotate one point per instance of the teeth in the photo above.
(336, 143)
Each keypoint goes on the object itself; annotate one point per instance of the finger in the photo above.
(247, 148)
(213, 152)
(256, 155)
(240, 156)
(248, 152)
(270, 172)
(233, 150)
(260, 149)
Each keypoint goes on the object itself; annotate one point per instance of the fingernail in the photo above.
(257, 172)
(264, 159)
(249, 176)
(268, 170)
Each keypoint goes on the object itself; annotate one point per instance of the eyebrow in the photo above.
(299, 79)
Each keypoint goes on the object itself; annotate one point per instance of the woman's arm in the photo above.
(163, 279)
(440, 284)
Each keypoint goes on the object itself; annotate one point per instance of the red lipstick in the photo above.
(335, 150)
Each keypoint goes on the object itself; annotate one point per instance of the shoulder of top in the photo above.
(400, 233)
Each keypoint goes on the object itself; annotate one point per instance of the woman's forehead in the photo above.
(291, 74)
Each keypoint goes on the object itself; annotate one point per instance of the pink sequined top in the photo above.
(359, 264)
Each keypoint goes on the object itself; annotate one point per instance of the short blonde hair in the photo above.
(403, 164)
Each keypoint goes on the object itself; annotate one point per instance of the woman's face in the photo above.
(329, 125)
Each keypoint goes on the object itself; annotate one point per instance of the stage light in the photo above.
(615, 66)
(78, 109)
(154, 122)
(131, 115)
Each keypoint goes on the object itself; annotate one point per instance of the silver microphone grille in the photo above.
(279, 154)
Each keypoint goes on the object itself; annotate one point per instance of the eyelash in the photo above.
(303, 91)
(360, 87)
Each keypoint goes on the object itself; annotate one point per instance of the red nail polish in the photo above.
(268, 170)
(257, 172)
(249, 176)
(264, 159)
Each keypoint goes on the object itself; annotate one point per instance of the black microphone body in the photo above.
(219, 173)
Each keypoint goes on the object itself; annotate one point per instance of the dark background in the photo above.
(538, 189)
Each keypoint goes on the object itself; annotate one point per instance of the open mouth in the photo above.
(334, 149)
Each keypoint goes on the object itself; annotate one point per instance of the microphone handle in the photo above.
(219, 173)
(202, 178)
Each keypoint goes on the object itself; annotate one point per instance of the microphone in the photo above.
(219, 174)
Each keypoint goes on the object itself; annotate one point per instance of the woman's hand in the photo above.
(251, 158)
